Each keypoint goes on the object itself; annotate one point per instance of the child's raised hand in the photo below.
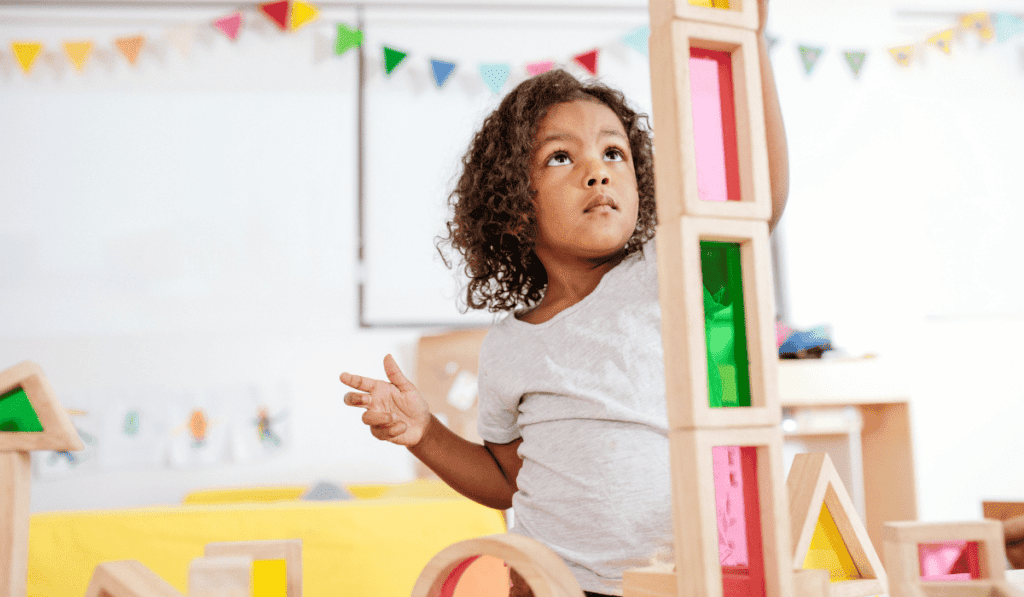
(395, 411)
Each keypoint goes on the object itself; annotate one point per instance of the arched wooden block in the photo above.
(540, 567)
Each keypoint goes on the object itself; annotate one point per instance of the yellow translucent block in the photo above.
(711, 3)
(828, 550)
(269, 578)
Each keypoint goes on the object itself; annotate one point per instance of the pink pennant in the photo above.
(588, 61)
(536, 68)
(229, 25)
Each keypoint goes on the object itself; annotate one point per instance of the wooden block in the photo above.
(289, 550)
(813, 482)
(541, 568)
(220, 576)
(673, 110)
(653, 581)
(740, 13)
(681, 291)
(15, 494)
(810, 583)
(905, 537)
(58, 432)
(696, 529)
(128, 578)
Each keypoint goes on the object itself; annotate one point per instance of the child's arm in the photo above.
(397, 413)
(778, 152)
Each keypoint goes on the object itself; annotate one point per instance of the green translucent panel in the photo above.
(725, 327)
(16, 412)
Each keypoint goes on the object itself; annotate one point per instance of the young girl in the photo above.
(553, 215)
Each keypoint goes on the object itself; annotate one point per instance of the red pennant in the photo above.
(588, 61)
(277, 12)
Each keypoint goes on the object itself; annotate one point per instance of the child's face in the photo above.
(583, 174)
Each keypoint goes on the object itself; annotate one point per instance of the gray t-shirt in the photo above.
(586, 392)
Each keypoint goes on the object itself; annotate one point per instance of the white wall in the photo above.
(221, 252)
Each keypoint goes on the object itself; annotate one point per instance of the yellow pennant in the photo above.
(130, 47)
(981, 23)
(302, 13)
(26, 53)
(942, 40)
(902, 54)
(77, 52)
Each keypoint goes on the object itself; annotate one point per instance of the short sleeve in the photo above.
(498, 418)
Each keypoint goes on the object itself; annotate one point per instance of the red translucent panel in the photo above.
(714, 125)
(949, 560)
(739, 520)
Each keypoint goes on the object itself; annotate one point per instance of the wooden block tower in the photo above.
(711, 163)
(31, 418)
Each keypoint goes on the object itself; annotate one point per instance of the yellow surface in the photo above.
(711, 3)
(828, 550)
(246, 495)
(351, 548)
(269, 578)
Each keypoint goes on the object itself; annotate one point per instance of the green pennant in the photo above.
(348, 38)
(810, 56)
(392, 58)
(856, 61)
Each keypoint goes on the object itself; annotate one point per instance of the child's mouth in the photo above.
(600, 205)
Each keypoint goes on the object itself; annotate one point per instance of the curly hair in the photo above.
(493, 223)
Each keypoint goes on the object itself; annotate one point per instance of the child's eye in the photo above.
(559, 159)
(614, 155)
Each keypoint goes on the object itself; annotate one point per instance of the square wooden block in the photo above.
(697, 501)
(681, 289)
(730, 13)
(708, 109)
(289, 550)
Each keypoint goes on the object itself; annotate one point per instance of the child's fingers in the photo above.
(363, 384)
(396, 376)
(357, 399)
(376, 419)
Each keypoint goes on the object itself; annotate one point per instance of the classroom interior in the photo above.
(223, 225)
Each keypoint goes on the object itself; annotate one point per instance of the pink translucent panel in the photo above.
(949, 560)
(708, 129)
(729, 505)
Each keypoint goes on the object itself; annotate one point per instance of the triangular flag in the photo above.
(856, 61)
(130, 47)
(814, 483)
(303, 13)
(348, 38)
(542, 66)
(277, 12)
(902, 55)
(181, 37)
(809, 55)
(587, 60)
(1007, 26)
(770, 42)
(26, 53)
(495, 75)
(637, 39)
(77, 52)
(392, 58)
(979, 22)
(441, 69)
(942, 40)
(229, 25)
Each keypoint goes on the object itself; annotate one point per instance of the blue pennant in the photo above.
(637, 39)
(441, 69)
(495, 75)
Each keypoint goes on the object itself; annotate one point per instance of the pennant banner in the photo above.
(637, 39)
(181, 37)
(1007, 26)
(229, 25)
(587, 60)
(130, 47)
(903, 55)
(856, 61)
(77, 52)
(441, 69)
(980, 23)
(536, 68)
(495, 75)
(277, 12)
(302, 14)
(392, 58)
(348, 38)
(942, 40)
(810, 55)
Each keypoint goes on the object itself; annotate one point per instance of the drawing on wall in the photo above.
(64, 463)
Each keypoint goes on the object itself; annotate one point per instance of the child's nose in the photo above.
(594, 180)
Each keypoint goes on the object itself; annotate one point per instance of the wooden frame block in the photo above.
(289, 550)
(220, 576)
(681, 292)
(58, 432)
(675, 149)
(741, 13)
(128, 578)
(813, 481)
(811, 582)
(15, 492)
(696, 529)
(541, 568)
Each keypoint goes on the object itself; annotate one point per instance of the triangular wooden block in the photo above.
(812, 483)
(128, 578)
(31, 418)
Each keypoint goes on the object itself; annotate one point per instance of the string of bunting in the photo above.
(292, 15)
